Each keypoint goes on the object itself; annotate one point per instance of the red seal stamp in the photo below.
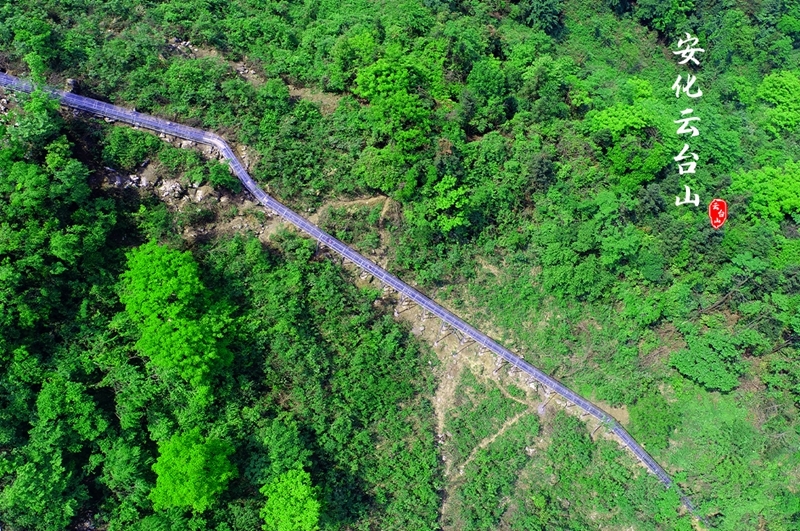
(718, 212)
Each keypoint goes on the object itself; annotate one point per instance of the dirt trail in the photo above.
(491, 438)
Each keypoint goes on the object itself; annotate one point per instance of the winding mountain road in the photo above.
(467, 332)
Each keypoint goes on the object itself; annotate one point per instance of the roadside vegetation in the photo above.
(529, 147)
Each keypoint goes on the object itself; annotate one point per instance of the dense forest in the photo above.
(152, 383)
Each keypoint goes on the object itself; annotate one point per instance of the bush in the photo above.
(127, 148)
(219, 174)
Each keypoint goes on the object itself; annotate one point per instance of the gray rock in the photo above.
(203, 192)
(170, 188)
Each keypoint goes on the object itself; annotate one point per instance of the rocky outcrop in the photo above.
(203, 192)
(171, 188)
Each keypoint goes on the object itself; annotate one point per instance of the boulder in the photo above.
(203, 192)
(170, 188)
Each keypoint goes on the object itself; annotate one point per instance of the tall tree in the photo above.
(292, 503)
(192, 471)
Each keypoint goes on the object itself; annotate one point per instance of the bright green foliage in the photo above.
(536, 195)
(782, 90)
(652, 420)
(352, 51)
(711, 359)
(192, 471)
(160, 281)
(291, 504)
(620, 119)
(446, 209)
(775, 192)
(180, 328)
(399, 114)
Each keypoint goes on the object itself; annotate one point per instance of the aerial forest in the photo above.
(515, 160)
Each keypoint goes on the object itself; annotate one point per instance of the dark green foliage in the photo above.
(543, 14)
(487, 84)
(219, 174)
(126, 149)
(81, 409)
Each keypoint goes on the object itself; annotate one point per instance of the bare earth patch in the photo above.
(327, 101)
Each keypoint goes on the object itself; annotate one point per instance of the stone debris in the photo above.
(170, 188)
(204, 192)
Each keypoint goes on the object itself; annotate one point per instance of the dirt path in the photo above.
(491, 438)
(511, 397)
(444, 398)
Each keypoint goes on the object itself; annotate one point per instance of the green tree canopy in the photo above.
(181, 328)
(652, 420)
(292, 503)
(192, 471)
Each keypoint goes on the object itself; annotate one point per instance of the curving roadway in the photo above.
(138, 119)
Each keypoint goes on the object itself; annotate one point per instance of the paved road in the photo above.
(157, 124)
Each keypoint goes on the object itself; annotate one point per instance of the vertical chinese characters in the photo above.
(687, 54)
